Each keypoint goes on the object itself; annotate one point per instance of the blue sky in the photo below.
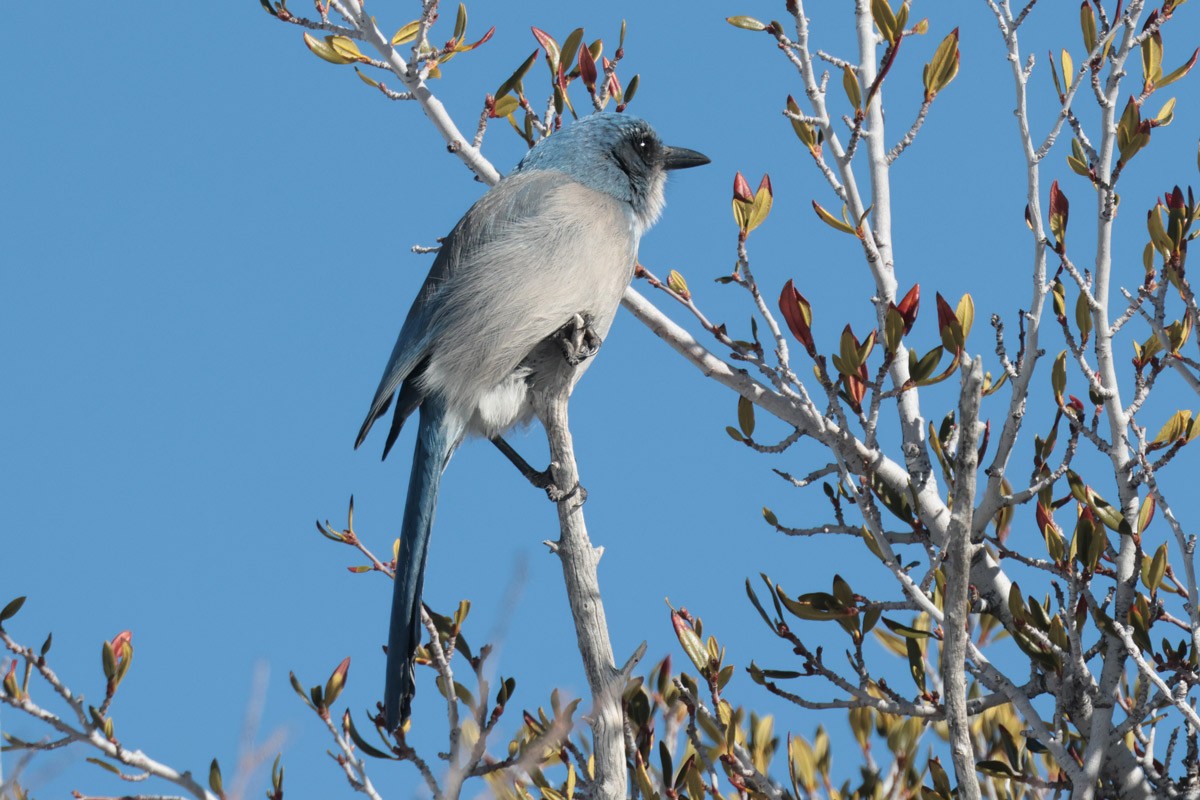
(207, 236)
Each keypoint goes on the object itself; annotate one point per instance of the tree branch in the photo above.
(957, 568)
(579, 561)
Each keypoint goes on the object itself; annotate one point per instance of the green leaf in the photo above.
(905, 631)
(570, 49)
(514, 81)
(916, 662)
(11, 609)
(746, 416)
(997, 768)
(1058, 376)
(1154, 569)
(361, 743)
(214, 779)
(941, 782)
(631, 89)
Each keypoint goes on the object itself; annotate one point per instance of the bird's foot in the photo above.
(542, 479)
(557, 495)
(578, 340)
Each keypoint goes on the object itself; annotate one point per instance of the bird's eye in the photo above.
(645, 147)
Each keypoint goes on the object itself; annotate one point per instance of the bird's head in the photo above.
(616, 154)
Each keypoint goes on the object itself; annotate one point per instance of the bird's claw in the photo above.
(557, 495)
(578, 340)
(544, 480)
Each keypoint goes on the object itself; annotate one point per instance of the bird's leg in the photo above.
(578, 340)
(541, 479)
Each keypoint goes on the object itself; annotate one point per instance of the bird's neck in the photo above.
(647, 200)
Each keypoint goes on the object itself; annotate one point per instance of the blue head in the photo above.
(616, 154)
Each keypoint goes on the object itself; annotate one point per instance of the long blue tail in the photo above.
(437, 437)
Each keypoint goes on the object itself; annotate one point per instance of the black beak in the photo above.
(682, 158)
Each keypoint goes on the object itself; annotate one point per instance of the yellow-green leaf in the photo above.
(1152, 59)
(804, 132)
(1166, 114)
(323, 50)
(677, 284)
(761, 206)
(1153, 569)
(1179, 426)
(407, 33)
(885, 19)
(746, 23)
(505, 106)
(1083, 317)
(850, 84)
(831, 220)
(1087, 24)
(965, 314)
(1146, 514)
(1158, 233)
(460, 22)
(943, 67)
(1176, 74)
(345, 47)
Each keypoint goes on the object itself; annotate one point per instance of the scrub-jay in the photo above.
(542, 257)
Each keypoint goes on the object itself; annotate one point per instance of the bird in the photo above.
(550, 249)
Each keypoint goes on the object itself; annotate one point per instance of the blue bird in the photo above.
(549, 249)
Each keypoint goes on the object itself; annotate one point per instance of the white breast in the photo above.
(575, 256)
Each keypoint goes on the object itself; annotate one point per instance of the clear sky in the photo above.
(206, 261)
